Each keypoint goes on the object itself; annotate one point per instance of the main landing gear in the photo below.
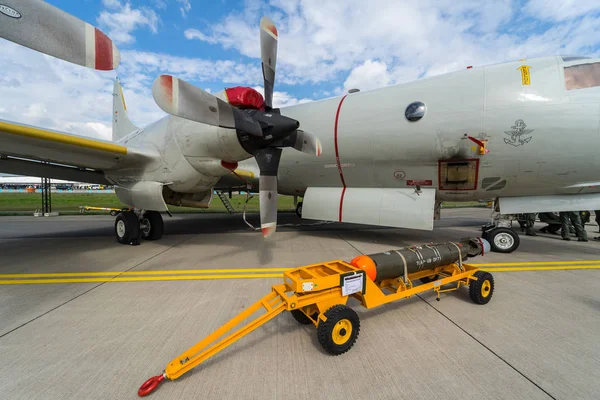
(130, 226)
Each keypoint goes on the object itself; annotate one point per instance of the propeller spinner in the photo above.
(262, 133)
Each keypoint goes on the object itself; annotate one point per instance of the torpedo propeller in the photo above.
(262, 132)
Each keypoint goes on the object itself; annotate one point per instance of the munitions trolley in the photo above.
(317, 294)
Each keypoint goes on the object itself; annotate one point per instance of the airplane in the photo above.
(523, 133)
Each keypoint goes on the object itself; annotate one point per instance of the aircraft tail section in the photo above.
(121, 125)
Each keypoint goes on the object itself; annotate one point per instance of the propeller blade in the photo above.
(268, 54)
(268, 163)
(42, 27)
(182, 99)
(308, 143)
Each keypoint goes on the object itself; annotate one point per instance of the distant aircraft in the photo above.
(524, 133)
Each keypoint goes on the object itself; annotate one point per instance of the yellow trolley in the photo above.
(317, 294)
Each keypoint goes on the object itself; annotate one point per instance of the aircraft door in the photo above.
(458, 174)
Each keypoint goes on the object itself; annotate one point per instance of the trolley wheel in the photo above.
(127, 227)
(299, 210)
(428, 279)
(338, 334)
(481, 290)
(301, 317)
(502, 240)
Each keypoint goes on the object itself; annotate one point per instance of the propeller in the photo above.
(42, 27)
(262, 133)
(268, 55)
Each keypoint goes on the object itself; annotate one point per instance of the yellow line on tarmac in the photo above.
(572, 262)
(167, 272)
(135, 279)
(248, 273)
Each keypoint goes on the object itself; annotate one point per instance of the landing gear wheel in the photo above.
(481, 290)
(502, 240)
(301, 317)
(152, 225)
(338, 334)
(127, 227)
(428, 279)
(299, 210)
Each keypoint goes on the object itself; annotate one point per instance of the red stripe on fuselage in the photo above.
(337, 156)
(104, 51)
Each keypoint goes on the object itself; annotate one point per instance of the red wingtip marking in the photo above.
(272, 29)
(104, 51)
(166, 81)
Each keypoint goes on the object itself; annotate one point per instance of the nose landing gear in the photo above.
(131, 225)
(502, 239)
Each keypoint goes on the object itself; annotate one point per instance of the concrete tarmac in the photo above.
(536, 339)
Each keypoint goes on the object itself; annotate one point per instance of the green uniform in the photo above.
(530, 221)
(575, 220)
(553, 222)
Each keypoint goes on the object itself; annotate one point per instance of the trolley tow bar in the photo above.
(317, 294)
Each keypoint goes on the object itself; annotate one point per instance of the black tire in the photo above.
(481, 290)
(155, 225)
(299, 210)
(333, 334)
(113, 213)
(301, 317)
(503, 240)
(127, 227)
(428, 279)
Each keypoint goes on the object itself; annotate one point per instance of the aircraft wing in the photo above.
(32, 151)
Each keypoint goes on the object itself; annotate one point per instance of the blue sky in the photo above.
(325, 48)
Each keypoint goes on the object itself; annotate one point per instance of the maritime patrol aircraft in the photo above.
(522, 133)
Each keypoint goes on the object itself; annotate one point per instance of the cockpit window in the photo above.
(573, 58)
(582, 76)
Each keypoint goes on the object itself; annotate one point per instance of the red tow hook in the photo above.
(151, 384)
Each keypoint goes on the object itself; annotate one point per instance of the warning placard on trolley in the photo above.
(353, 282)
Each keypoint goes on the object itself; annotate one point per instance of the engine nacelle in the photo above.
(196, 200)
(197, 140)
(146, 195)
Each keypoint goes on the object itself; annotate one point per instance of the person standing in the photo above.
(530, 221)
(574, 218)
(597, 212)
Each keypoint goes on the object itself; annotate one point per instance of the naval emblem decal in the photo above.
(518, 135)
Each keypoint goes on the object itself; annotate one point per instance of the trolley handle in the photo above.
(151, 384)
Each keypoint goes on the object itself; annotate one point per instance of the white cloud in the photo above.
(328, 41)
(282, 99)
(196, 34)
(185, 6)
(369, 75)
(119, 25)
(154, 64)
(160, 4)
(114, 4)
(560, 10)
